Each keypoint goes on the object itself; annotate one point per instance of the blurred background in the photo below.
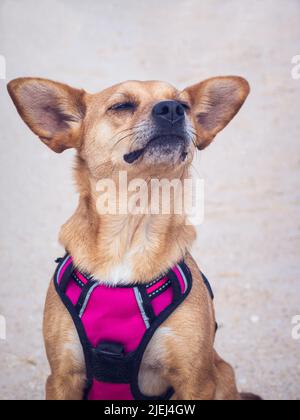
(249, 244)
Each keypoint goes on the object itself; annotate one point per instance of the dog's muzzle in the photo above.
(169, 135)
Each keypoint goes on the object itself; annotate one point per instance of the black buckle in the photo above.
(111, 349)
(111, 364)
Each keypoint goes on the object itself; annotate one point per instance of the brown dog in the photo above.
(131, 127)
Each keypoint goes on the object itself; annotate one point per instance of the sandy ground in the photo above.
(249, 243)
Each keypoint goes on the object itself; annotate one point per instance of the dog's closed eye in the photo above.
(123, 106)
(186, 106)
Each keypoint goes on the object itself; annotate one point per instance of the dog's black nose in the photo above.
(170, 111)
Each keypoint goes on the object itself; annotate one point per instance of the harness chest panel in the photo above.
(115, 325)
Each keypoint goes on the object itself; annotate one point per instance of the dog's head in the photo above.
(135, 126)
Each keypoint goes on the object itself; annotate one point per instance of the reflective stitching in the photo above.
(77, 280)
(153, 283)
(164, 286)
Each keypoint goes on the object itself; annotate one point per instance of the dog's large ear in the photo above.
(214, 103)
(53, 111)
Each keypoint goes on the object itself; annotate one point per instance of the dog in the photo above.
(148, 130)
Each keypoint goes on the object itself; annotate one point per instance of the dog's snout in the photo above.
(168, 111)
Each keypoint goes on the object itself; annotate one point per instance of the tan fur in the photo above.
(140, 247)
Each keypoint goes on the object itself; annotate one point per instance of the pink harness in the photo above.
(115, 325)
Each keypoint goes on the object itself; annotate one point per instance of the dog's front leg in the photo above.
(64, 352)
(207, 381)
(69, 387)
(196, 385)
(189, 392)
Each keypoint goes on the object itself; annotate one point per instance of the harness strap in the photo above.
(147, 305)
(84, 297)
(112, 365)
(65, 273)
(108, 361)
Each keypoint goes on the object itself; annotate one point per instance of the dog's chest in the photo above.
(120, 329)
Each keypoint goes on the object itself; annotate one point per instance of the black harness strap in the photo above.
(111, 365)
(148, 308)
(84, 295)
(108, 361)
(66, 278)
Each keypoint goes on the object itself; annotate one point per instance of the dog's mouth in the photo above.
(133, 156)
(163, 145)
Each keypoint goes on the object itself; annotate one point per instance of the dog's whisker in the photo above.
(131, 132)
(192, 139)
(124, 131)
(122, 139)
(135, 127)
(193, 136)
(121, 132)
